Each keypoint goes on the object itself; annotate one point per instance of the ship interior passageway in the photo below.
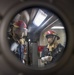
(27, 36)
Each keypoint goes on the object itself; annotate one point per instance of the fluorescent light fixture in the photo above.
(57, 27)
(39, 18)
(47, 21)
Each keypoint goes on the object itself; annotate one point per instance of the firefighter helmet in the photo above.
(20, 24)
(20, 29)
(52, 33)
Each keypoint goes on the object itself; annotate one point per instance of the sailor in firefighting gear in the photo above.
(53, 50)
(19, 32)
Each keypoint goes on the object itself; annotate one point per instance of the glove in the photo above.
(46, 58)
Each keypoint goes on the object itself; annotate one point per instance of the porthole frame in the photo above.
(10, 57)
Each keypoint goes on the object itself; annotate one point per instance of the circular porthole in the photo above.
(36, 37)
